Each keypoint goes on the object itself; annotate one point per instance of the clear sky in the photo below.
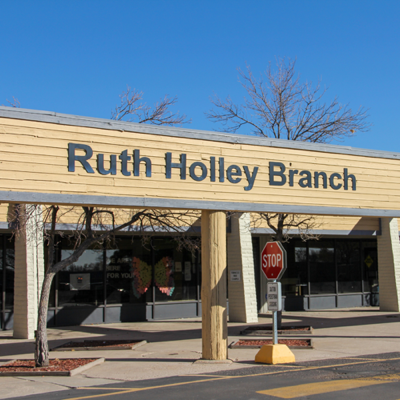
(77, 56)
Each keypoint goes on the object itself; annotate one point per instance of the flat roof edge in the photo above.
(89, 122)
(165, 203)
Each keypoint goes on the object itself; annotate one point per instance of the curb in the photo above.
(283, 332)
(127, 347)
(234, 345)
(53, 373)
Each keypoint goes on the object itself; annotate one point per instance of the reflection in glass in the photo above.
(9, 270)
(82, 283)
(348, 266)
(1, 275)
(322, 267)
(128, 272)
(295, 279)
(175, 272)
(370, 268)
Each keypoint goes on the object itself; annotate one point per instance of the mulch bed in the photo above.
(56, 365)
(100, 345)
(257, 344)
(260, 330)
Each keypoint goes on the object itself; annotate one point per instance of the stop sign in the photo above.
(273, 260)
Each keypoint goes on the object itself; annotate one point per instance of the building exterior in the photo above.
(48, 158)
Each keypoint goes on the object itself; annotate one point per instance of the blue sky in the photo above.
(77, 56)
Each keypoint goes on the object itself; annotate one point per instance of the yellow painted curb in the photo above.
(275, 354)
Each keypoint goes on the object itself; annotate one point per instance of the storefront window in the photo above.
(370, 267)
(9, 273)
(322, 267)
(175, 272)
(82, 283)
(1, 276)
(128, 272)
(348, 266)
(295, 279)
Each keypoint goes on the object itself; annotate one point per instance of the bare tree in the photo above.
(97, 225)
(284, 225)
(13, 103)
(94, 225)
(278, 105)
(133, 109)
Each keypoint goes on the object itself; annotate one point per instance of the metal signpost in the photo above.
(273, 264)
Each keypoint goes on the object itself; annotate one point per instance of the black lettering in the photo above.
(273, 173)
(292, 173)
(124, 163)
(192, 169)
(230, 174)
(346, 180)
(72, 157)
(212, 169)
(332, 181)
(169, 165)
(113, 165)
(305, 182)
(250, 177)
(221, 169)
(324, 179)
(136, 163)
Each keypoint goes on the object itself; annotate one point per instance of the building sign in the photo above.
(213, 170)
(62, 159)
(235, 276)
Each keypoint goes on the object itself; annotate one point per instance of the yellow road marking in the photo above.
(124, 390)
(292, 392)
(309, 389)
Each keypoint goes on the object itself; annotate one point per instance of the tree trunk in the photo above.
(42, 345)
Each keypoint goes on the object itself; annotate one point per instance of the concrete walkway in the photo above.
(173, 347)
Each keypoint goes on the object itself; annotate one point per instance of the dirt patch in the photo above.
(259, 330)
(256, 344)
(59, 365)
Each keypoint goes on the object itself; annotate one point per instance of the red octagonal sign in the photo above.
(273, 260)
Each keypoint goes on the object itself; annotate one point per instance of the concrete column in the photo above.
(213, 287)
(242, 293)
(389, 265)
(29, 274)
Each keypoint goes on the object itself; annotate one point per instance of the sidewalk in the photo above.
(174, 345)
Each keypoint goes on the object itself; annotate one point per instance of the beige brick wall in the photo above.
(389, 265)
(242, 294)
(29, 273)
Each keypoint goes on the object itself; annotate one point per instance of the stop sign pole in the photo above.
(273, 265)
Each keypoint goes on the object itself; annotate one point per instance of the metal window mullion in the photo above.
(3, 293)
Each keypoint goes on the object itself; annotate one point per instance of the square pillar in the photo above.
(29, 273)
(242, 293)
(389, 265)
(213, 287)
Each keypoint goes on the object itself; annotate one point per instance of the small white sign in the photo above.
(79, 282)
(178, 266)
(235, 276)
(188, 273)
(274, 296)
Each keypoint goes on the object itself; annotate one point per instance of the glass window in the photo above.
(348, 266)
(295, 279)
(128, 272)
(322, 267)
(370, 267)
(175, 272)
(9, 272)
(82, 283)
(1, 273)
